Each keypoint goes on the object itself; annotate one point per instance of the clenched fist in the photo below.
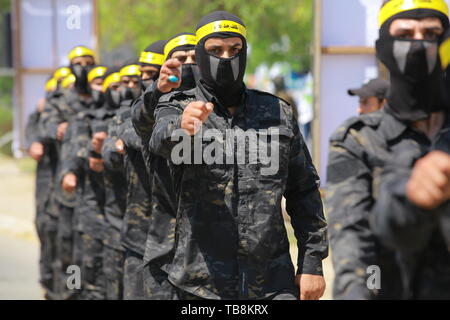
(195, 114)
(120, 147)
(429, 184)
(69, 182)
(97, 141)
(170, 68)
(36, 151)
(312, 287)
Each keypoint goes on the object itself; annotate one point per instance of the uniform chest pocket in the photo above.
(269, 157)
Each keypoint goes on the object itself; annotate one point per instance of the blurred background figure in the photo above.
(372, 95)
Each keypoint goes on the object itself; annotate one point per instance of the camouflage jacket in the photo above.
(231, 241)
(161, 231)
(135, 225)
(115, 180)
(420, 238)
(46, 167)
(359, 151)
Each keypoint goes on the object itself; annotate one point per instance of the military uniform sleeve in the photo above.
(75, 147)
(50, 119)
(348, 203)
(129, 136)
(143, 110)
(112, 159)
(304, 206)
(31, 130)
(168, 120)
(397, 222)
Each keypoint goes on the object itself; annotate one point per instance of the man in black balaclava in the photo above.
(413, 214)
(365, 149)
(231, 242)
(150, 62)
(178, 49)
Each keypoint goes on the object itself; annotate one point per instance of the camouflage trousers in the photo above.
(113, 269)
(47, 226)
(133, 279)
(179, 294)
(156, 284)
(88, 254)
(64, 250)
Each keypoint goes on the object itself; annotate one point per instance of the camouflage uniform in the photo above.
(115, 206)
(231, 242)
(420, 238)
(45, 172)
(159, 247)
(89, 221)
(62, 203)
(360, 149)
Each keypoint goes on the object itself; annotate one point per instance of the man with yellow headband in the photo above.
(231, 242)
(178, 50)
(84, 246)
(413, 122)
(114, 175)
(413, 213)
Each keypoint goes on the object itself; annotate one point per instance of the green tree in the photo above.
(277, 31)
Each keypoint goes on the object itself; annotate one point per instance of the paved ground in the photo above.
(18, 241)
(19, 247)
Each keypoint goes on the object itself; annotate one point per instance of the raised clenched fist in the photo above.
(97, 141)
(195, 114)
(69, 182)
(170, 68)
(429, 184)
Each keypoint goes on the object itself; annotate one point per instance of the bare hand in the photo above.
(41, 104)
(429, 184)
(97, 141)
(195, 114)
(96, 164)
(62, 129)
(120, 148)
(169, 68)
(36, 151)
(69, 182)
(312, 287)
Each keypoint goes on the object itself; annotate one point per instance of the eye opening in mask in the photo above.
(223, 48)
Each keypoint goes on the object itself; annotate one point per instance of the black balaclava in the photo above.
(97, 95)
(444, 53)
(415, 70)
(224, 78)
(112, 97)
(184, 41)
(129, 93)
(153, 56)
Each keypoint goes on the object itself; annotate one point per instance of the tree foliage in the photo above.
(278, 31)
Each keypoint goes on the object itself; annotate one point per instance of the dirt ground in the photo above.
(18, 240)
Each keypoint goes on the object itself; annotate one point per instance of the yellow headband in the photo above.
(178, 42)
(51, 85)
(61, 73)
(70, 79)
(131, 70)
(80, 52)
(394, 7)
(152, 58)
(444, 52)
(96, 73)
(112, 78)
(221, 26)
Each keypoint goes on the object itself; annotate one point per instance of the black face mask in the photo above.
(129, 94)
(224, 78)
(112, 98)
(415, 76)
(98, 97)
(146, 83)
(190, 74)
(81, 74)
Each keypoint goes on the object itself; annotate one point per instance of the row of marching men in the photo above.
(94, 188)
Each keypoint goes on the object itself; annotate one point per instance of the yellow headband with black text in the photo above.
(394, 7)
(112, 78)
(185, 39)
(80, 52)
(221, 26)
(152, 58)
(96, 73)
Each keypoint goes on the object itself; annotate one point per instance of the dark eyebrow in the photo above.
(237, 44)
(435, 28)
